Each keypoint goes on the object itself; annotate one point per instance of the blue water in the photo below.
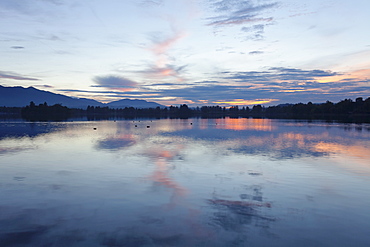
(193, 182)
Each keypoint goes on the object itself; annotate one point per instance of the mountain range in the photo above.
(20, 97)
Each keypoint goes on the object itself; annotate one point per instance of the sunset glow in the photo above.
(228, 53)
(240, 102)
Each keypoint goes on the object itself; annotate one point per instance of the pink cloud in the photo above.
(162, 67)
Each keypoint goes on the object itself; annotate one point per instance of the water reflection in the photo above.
(184, 182)
(115, 143)
(27, 129)
(160, 177)
(245, 124)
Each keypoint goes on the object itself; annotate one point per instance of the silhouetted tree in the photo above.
(43, 112)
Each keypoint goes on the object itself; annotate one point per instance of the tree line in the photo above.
(44, 112)
(344, 108)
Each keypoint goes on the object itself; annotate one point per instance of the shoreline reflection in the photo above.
(184, 182)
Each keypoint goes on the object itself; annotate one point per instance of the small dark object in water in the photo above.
(135, 125)
(148, 126)
(191, 123)
(94, 128)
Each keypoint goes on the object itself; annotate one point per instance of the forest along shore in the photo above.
(346, 110)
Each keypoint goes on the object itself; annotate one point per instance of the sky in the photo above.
(194, 52)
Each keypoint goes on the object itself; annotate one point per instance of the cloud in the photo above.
(187, 84)
(161, 46)
(17, 47)
(151, 3)
(15, 76)
(255, 28)
(272, 86)
(256, 52)
(256, 31)
(162, 66)
(166, 70)
(35, 7)
(55, 2)
(114, 82)
(163, 43)
(238, 21)
(239, 12)
(279, 74)
(44, 86)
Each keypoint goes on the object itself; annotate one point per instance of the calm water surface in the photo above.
(193, 182)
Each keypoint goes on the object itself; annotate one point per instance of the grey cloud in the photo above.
(53, 37)
(209, 92)
(298, 74)
(239, 12)
(26, 7)
(239, 20)
(255, 9)
(171, 69)
(17, 47)
(255, 28)
(256, 52)
(194, 93)
(255, 32)
(112, 81)
(279, 74)
(56, 2)
(15, 76)
(284, 92)
(151, 3)
(288, 85)
(44, 86)
(182, 84)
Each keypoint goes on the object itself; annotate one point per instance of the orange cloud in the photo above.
(362, 73)
(162, 47)
(162, 67)
(246, 102)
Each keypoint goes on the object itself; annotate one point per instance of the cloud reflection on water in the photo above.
(180, 182)
(161, 175)
(115, 143)
(245, 124)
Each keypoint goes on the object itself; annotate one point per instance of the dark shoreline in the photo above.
(357, 111)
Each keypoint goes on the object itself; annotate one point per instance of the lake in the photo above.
(184, 182)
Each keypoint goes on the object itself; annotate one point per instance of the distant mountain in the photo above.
(20, 97)
(134, 103)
